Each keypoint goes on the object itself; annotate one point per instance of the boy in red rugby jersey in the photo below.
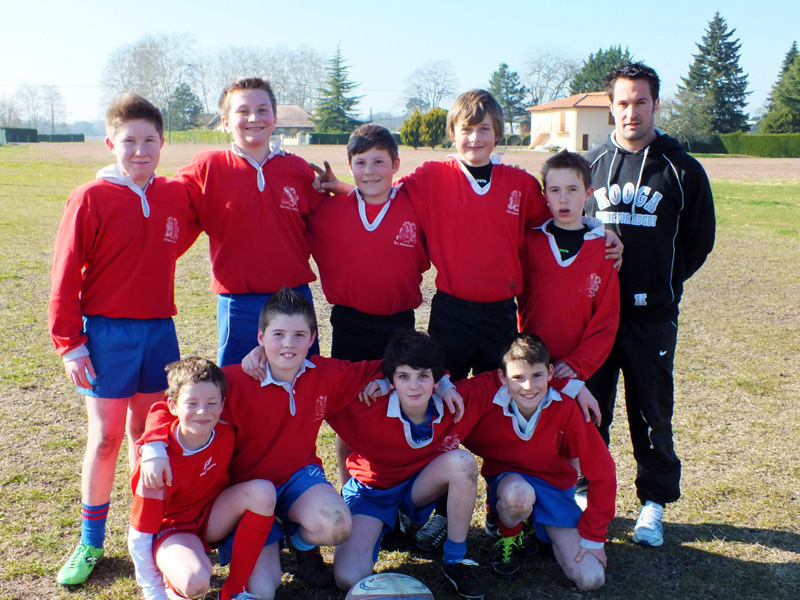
(172, 527)
(112, 302)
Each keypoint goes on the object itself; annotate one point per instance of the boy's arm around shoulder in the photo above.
(583, 441)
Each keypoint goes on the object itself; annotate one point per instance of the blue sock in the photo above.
(300, 544)
(454, 551)
(93, 524)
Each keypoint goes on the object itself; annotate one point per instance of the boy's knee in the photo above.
(465, 465)
(586, 578)
(518, 498)
(105, 444)
(340, 526)
(195, 585)
(260, 496)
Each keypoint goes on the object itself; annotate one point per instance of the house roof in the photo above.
(586, 100)
(292, 116)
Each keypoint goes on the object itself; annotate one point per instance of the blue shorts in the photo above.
(285, 496)
(383, 504)
(553, 506)
(237, 324)
(129, 355)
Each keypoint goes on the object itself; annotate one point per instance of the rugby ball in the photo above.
(385, 586)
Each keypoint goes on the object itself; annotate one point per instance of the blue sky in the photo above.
(53, 43)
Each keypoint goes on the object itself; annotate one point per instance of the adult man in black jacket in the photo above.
(658, 200)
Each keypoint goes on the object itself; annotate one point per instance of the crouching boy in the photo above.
(527, 437)
(405, 457)
(173, 526)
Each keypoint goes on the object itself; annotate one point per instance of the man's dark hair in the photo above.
(633, 70)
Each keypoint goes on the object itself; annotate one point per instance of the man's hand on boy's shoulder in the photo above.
(614, 248)
(589, 406)
(327, 182)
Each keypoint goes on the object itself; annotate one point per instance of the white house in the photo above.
(577, 123)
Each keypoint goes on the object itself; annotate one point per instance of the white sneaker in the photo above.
(648, 530)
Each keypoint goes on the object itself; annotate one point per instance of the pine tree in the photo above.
(505, 86)
(184, 109)
(591, 77)
(336, 109)
(716, 74)
(783, 115)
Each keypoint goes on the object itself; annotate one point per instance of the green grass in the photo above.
(734, 534)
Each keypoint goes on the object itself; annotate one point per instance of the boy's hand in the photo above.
(614, 248)
(372, 391)
(76, 371)
(326, 181)
(255, 363)
(454, 402)
(599, 554)
(156, 472)
(589, 406)
(562, 370)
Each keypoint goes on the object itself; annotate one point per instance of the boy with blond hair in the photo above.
(172, 527)
(252, 201)
(112, 302)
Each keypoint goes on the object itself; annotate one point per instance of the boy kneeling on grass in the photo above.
(406, 456)
(529, 438)
(173, 526)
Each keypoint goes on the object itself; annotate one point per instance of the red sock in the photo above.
(248, 542)
(506, 531)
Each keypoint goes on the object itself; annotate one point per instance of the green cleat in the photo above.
(79, 565)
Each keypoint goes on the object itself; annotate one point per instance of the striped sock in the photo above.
(93, 524)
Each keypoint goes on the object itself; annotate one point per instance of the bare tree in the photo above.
(547, 74)
(54, 108)
(9, 112)
(30, 99)
(430, 84)
(154, 66)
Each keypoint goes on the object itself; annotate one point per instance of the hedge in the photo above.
(61, 137)
(771, 145)
(199, 136)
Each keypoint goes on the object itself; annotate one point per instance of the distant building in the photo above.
(577, 123)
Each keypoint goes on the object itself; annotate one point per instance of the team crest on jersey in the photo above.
(290, 200)
(450, 442)
(319, 409)
(591, 285)
(173, 230)
(407, 236)
(210, 464)
(514, 200)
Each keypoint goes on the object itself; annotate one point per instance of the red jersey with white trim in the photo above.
(474, 234)
(561, 434)
(197, 479)
(271, 442)
(375, 267)
(111, 260)
(256, 237)
(384, 453)
(572, 305)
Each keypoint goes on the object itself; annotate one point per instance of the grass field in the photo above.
(734, 534)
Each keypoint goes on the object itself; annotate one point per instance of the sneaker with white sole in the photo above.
(431, 536)
(648, 530)
(79, 565)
